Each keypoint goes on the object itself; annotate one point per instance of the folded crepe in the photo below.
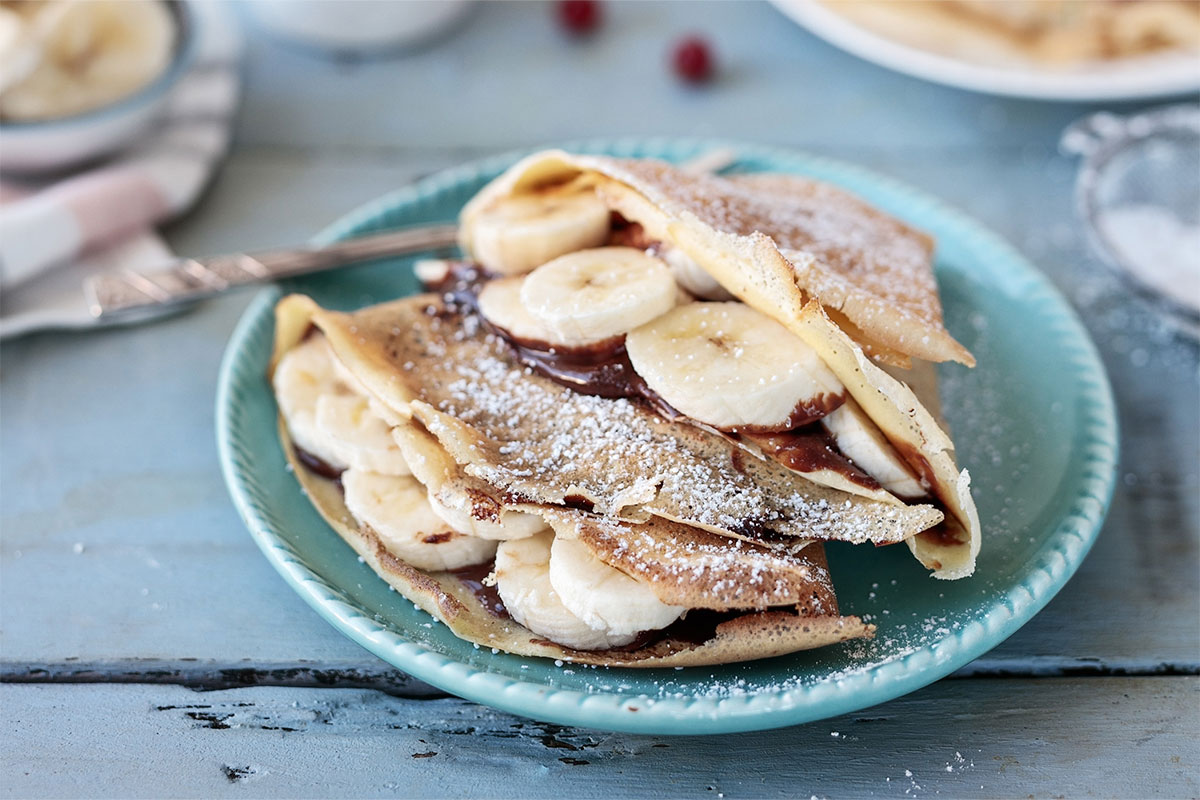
(621, 430)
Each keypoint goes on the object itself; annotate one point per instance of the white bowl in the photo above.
(359, 27)
(55, 144)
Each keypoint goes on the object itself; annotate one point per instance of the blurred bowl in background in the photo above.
(1138, 194)
(358, 27)
(46, 145)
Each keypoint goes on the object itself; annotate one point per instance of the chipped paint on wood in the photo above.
(993, 737)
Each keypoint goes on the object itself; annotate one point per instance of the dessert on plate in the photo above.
(620, 429)
(1047, 33)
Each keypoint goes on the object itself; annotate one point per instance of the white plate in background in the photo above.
(1138, 78)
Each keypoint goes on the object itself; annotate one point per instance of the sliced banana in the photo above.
(455, 511)
(500, 304)
(523, 583)
(352, 429)
(328, 416)
(693, 277)
(603, 597)
(432, 271)
(729, 366)
(592, 295)
(396, 508)
(303, 376)
(524, 231)
(863, 443)
(95, 54)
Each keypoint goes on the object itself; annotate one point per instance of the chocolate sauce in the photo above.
(921, 464)
(806, 411)
(946, 533)
(580, 502)
(472, 577)
(601, 370)
(316, 464)
(460, 288)
(696, 627)
(808, 449)
(630, 234)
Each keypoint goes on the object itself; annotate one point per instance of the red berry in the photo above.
(693, 60)
(579, 16)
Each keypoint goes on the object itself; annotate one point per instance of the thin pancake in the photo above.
(542, 443)
(704, 639)
(773, 241)
(688, 567)
(709, 640)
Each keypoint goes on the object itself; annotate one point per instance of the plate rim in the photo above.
(1066, 545)
(1111, 85)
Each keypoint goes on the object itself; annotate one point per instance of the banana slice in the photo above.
(395, 507)
(19, 48)
(603, 597)
(303, 376)
(95, 54)
(457, 514)
(328, 416)
(500, 304)
(521, 232)
(351, 429)
(693, 277)
(592, 295)
(523, 583)
(432, 271)
(729, 366)
(863, 443)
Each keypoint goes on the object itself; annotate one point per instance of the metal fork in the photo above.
(190, 279)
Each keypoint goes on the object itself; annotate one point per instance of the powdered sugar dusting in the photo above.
(548, 443)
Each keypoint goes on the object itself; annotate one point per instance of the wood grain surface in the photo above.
(992, 738)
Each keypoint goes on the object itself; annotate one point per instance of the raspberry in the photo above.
(693, 60)
(580, 17)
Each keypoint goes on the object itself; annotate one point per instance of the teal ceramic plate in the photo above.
(1034, 424)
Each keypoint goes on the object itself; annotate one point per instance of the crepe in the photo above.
(773, 241)
(554, 476)
(732, 622)
(852, 282)
(527, 437)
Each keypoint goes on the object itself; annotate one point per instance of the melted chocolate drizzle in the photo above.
(810, 448)
(472, 577)
(317, 465)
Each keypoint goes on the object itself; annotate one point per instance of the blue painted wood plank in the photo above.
(1111, 737)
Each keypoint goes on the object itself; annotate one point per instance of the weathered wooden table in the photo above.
(149, 650)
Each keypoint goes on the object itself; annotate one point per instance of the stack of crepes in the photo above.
(621, 428)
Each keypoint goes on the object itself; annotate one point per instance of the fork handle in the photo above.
(189, 279)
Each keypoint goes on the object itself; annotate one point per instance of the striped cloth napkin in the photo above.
(53, 235)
